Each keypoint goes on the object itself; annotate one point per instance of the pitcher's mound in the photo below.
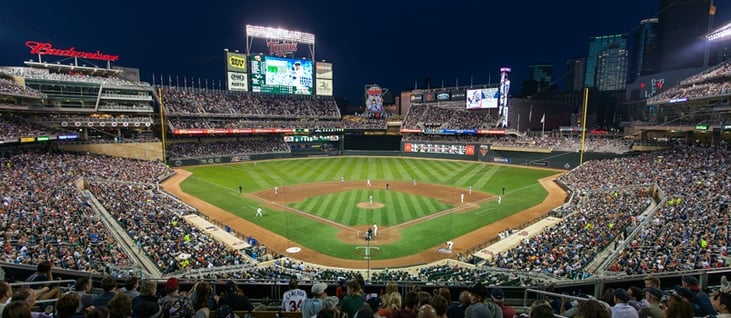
(366, 205)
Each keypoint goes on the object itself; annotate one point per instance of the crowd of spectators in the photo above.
(564, 250)
(690, 230)
(359, 122)
(708, 83)
(8, 87)
(216, 103)
(435, 117)
(45, 215)
(548, 142)
(230, 147)
(244, 123)
(154, 222)
(14, 126)
(77, 77)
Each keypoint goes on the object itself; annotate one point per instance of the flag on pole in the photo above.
(543, 119)
(530, 114)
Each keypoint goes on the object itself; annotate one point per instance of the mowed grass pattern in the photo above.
(218, 185)
(399, 207)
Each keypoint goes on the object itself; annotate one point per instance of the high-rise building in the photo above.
(542, 74)
(611, 68)
(680, 27)
(597, 45)
(644, 59)
(575, 68)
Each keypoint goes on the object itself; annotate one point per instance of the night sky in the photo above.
(392, 43)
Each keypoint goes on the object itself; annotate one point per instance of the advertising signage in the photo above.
(324, 70)
(235, 62)
(237, 81)
(45, 48)
(279, 75)
(324, 87)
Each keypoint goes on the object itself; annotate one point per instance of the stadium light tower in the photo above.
(723, 33)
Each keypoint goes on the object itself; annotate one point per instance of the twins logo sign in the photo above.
(374, 98)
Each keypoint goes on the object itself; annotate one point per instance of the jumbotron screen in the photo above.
(278, 75)
(482, 98)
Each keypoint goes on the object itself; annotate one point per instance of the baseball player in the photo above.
(259, 213)
(368, 183)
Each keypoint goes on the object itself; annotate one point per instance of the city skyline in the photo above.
(394, 45)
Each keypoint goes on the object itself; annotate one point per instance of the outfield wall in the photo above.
(536, 157)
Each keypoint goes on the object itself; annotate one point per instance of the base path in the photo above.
(295, 193)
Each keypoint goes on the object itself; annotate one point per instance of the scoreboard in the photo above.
(279, 75)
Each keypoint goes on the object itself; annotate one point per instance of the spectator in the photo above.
(109, 290)
(702, 305)
(43, 274)
(293, 298)
(201, 295)
(67, 305)
(653, 296)
(678, 307)
(17, 309)
(457, 310)
(6, 291)
(235, 298)
(498, 297)
(480, 308)
(173, 304)
(353, 301)
(120, 306)
(621, 309)
(311, 306)
(130, 287)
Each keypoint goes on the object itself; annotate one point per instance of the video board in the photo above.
(482, 98)
(279, 75)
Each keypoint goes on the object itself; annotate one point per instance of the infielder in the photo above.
(375, 230)
(449, 245)
(276, 190)
(461, 197)
(469, 189)
(370, 199)
(499, 199)
(342, 179)
(259, 213)
(368, 183)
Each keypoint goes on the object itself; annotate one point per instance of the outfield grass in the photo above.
(219, 184)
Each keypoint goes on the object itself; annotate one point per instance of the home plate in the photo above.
(293, 250)
(445, 251)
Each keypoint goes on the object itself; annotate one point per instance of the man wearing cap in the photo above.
(480, 308)
(498, 297)
(653, 296)
(311, 306)
(621, 309)
(173, 304)
(702, 305)
(293, 298)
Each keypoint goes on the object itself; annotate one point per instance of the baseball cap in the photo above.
(621, 294)
(330, 302)
(654, 292)
(479, 290)
(319, 288)
(172, 283)
(690, 280)
(497, 293)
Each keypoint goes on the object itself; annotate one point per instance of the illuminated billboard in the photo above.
(482, 98)
(279, 75)
(374, 98)
(324, 70)
(237, 81)
(324, 87)
(235, 62)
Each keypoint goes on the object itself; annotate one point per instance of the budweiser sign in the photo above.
(44, 48)
(281, 48)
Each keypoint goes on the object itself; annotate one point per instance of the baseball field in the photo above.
(324, 206)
